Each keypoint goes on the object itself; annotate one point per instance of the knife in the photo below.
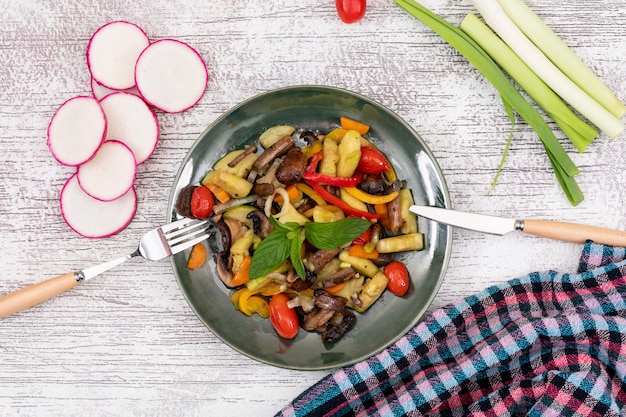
(568, 232)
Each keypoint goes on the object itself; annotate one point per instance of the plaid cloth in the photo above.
(547, 344)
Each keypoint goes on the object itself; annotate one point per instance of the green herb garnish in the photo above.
(286, 240)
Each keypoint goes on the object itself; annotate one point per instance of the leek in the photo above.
(576, 129)
(561, 55)
(563, 166)
(497, 19)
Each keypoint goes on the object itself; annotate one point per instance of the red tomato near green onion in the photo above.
(373, 161)
(283, 318)
(350, 11)
(202, 202)
(398, 277)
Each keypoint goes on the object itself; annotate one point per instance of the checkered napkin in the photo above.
(547, 344)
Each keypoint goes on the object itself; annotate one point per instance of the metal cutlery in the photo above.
(156, 244)
(568, 232)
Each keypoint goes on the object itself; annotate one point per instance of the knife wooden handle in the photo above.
(37, 293)
(573, 232)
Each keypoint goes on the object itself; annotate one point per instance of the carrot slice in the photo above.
(360, 251)
(351, 124)
(335, 288)
(197, 257)
(242, 276)
(221, 195)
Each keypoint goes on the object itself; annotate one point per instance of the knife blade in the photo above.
(565, 231)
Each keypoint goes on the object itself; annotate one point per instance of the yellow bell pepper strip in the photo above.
(259, 306)
(362, 251)
(336, 201)
(371, 198)
(311, 174)
(241, 276)
(312, 149)
(351, 124)
(245, 301)
(336, 134)
(306, 189)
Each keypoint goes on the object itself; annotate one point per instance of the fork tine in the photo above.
(178, 224)
(177, 247)
(189, 233)
(185, 228)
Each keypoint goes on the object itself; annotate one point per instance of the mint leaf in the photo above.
(334, 234)
(296, 260)
(271, 252)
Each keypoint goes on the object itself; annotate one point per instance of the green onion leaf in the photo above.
(478, 57)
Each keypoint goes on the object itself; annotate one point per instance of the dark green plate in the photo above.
(318, 108)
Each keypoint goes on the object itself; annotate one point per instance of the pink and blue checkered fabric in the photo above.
(547, 344)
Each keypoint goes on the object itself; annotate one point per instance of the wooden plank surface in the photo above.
(127, 343)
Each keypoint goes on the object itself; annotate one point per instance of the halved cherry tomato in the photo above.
(373, 161)
(364, 238)
(283, 318)
(202, 202)
(398, 277)
(350, 11)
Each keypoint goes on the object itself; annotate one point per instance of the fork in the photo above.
(156, 244)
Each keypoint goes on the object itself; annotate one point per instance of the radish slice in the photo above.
(131, 121)
(171, 76)
(110, 173)
(112, 53)
(99, 91)
(94, 218)
(76, 130)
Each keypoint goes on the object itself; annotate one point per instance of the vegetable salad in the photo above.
(309, 223)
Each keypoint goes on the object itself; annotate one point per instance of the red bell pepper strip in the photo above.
(311, 174)
(336, 201)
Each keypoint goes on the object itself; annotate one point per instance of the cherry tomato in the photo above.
(202, 202)
(373, 161)
(283, 318)
(398, 277)
(350, 11)
(364, 238)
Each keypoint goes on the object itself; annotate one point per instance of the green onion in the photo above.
(497, 19)
(561, 55)
(563, 166)
(577, 130)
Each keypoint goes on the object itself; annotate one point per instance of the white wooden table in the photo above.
(127, 343)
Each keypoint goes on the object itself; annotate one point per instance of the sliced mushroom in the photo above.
(336, 331)
(292, 167)
(318, 259)
(316, 319)
(183, 202)
(373, 184)
(299, 284)
(225, 237)
(249, 149)
(343, 275)
(261, 224)
(308, 136)
(326, 301)
(263, 189)
(224, 271)
(393, 207)
(273, 152)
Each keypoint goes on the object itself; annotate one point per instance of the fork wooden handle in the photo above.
(35, 294)
(573, 232)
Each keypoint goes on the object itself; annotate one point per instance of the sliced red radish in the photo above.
(131, 121)
(112, 53)
(93, 218)
(110, 173)
(171, 76)
(99, 91)
(76, 130)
